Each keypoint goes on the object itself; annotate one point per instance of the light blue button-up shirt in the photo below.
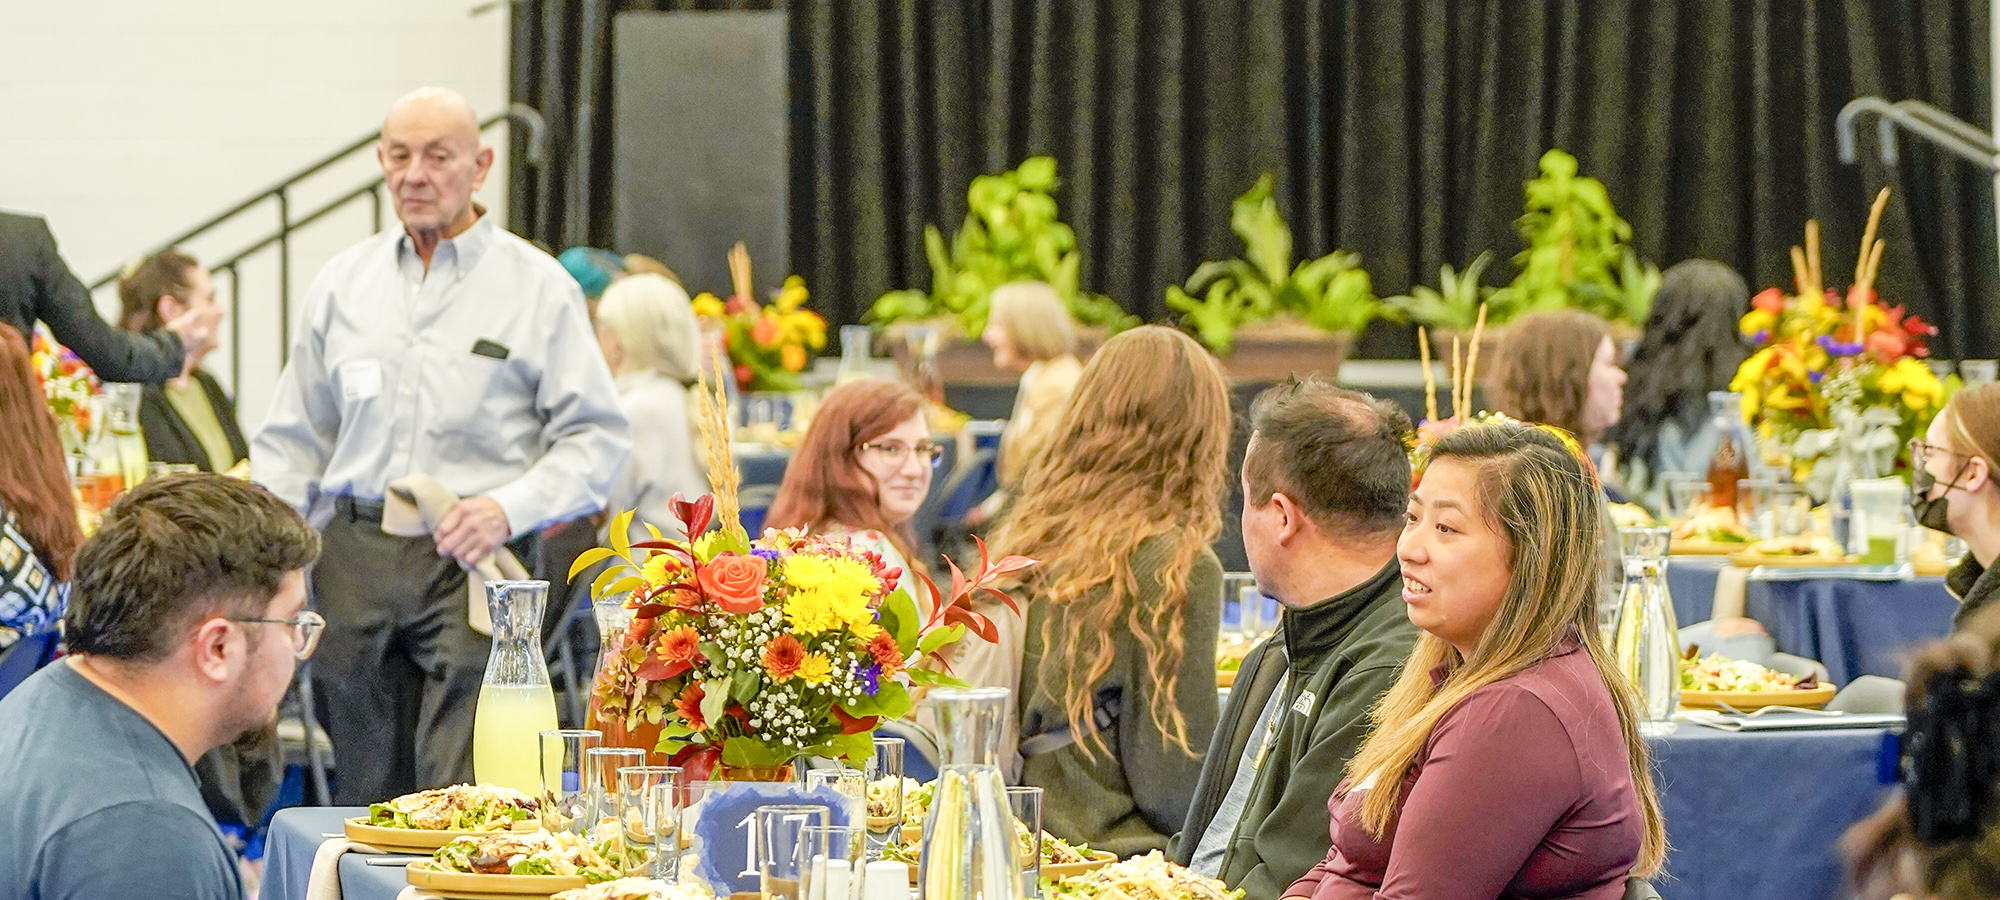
(483, 372)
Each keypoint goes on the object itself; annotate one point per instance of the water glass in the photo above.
(565, 799)
(1756, 506)
(600, 781)
(1678, 499)
(781, 831)
(1026, 804)
(885, 768)
(848, 782)
(1791, 510)
(640, 794)
(833, 860)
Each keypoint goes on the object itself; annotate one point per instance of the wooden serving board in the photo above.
(1750, 559)
(1746, 701)
(1692, 547)
(418, 839)
(482, 887)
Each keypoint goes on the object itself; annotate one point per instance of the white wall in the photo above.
(126, 122)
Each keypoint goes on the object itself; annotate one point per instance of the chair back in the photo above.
(23, 659)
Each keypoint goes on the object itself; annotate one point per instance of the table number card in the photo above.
(721, 824)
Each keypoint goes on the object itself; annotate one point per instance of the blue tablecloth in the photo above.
(1854, 627)
(1691, 585)
(1749, 817)
(1755, 816)
(295, 836)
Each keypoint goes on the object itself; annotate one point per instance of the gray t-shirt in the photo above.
(100, 803)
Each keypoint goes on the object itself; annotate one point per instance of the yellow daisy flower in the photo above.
(816, 669)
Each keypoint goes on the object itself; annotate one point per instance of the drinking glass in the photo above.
(566, 804)
(641, 791)
(1677, 501)
(780, 834)
(885, 768)
(1026, 804)
(833, 860)
(1791, 510)
(1756, 506)
(848, 782)
(600, 781)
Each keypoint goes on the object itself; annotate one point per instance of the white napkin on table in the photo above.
(324, 883)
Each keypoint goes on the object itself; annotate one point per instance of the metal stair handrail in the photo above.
(536, 151)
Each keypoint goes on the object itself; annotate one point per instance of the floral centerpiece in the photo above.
(756, 652)
(1835, 381)
(770, 344)
(68, 384)
(751, 653)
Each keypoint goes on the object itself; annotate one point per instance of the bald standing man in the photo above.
(448, 348)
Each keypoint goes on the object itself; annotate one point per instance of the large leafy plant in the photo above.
(1454, 304)
(1578, 252)
(1011, 233)
(1332, 292)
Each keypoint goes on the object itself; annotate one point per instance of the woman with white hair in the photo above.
(646, 328)
(1028, 328)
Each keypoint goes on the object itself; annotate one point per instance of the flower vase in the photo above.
(703, 762)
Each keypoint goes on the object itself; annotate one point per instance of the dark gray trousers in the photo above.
(398, 670)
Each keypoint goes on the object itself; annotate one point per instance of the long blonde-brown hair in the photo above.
(1539, 493)
(1142, 450)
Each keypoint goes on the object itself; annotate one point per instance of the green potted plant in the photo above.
(1262, 312)
(1012, 232)
(1578, 252)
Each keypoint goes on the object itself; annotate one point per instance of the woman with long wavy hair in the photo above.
(1506, 761)
(38, 530)
(1118, 675)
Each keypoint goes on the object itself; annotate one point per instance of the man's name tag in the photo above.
(360, 379)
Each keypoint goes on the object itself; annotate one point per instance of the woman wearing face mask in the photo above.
(861, 471)
(1952, 490)
(1506, 761)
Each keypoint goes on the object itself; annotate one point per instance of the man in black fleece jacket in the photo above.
(1326, 484)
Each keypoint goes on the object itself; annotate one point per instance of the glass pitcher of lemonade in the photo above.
(515, 702)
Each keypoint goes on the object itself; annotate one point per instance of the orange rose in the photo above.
(735, 582)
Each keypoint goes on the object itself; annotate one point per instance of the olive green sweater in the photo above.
(1130, 800)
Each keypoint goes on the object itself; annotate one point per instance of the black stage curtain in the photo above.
(1401, 129)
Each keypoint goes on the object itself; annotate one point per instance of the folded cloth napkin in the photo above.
(414, 506)
(324, 883)
(412, 893)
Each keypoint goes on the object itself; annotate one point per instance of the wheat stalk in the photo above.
(712, 417)
(1430, 380)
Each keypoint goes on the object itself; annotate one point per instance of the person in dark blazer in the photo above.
(187, 419)
(36, 285)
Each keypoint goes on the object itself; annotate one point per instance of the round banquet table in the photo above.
(1754, 816)
(1855, 626)
(1750, 816)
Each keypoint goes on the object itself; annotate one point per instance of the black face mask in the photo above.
(1931, 511)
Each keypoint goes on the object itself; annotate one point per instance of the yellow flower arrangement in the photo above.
(1832, 375)
(770, 344)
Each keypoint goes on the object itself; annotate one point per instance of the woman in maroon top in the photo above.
(1511, 741)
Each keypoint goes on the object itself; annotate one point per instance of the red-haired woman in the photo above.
(862, 469)
(38, 530)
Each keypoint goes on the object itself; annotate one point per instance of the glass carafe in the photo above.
(1646, 642)
(855, 342)
(969, 851)
(1734, 448)
(515, 702)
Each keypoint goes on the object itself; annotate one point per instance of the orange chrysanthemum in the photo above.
(783, 656)
(886, 654)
